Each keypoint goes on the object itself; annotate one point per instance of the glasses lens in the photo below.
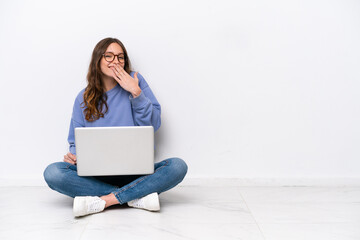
(121, 58)
(109, 56)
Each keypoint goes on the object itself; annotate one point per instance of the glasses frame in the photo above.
(118, 56)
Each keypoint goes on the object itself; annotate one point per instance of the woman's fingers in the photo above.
(66, 157)
(124, 79)
(118, 70)
(122, 71)
(115, 70)
(116, 76)
(71, 156)
(68, 160)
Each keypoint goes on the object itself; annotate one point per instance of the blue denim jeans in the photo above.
(62, 177)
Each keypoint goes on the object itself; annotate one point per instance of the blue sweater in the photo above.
(124, 110)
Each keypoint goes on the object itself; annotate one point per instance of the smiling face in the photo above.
(105, 66)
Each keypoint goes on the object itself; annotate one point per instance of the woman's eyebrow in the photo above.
(114, 53)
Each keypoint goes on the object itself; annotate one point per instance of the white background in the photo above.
(248, 89)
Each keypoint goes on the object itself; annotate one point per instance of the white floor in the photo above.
(189, 212)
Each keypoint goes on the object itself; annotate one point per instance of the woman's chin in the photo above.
(108, 76)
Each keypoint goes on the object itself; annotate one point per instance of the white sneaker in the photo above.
(149, 202)
(87, 205)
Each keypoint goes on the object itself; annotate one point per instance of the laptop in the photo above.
(108, 151)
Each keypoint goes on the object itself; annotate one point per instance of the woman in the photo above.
(114, 96)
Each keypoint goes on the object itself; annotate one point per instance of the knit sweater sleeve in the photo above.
(146, 109)
(77, 120)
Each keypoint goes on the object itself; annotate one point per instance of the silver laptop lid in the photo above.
(103, 151)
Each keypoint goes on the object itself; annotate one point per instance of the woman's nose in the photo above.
(115, 62)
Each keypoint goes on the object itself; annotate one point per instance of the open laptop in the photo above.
(105, 151)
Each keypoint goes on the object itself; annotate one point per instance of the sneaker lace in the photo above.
(94, 206)
(138, 202)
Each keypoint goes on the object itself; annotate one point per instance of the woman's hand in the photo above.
(70, 158)
(127, 82)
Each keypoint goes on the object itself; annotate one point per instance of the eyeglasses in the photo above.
(109, 57)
